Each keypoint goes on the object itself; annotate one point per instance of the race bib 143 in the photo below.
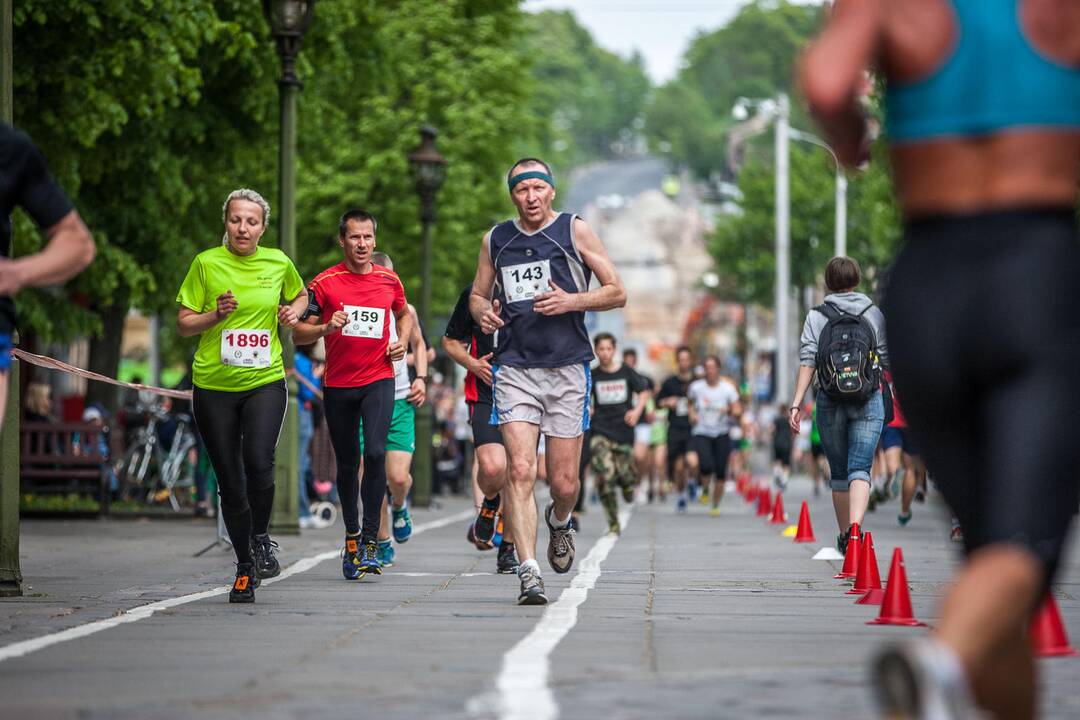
(526, 281)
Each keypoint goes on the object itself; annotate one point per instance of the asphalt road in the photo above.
(680, 617)
(627, 177)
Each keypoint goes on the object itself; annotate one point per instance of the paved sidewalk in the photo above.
(691, 617)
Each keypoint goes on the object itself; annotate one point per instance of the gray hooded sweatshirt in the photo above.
(852, 303)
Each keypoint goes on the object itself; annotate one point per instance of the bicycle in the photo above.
(147, 451)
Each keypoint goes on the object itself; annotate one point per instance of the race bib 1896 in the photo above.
(364, 321)
(526, 281)
(611, 392)
(245, 348)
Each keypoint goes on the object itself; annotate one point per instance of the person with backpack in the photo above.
(843, 345)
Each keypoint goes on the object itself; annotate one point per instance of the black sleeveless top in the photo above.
(523, 265)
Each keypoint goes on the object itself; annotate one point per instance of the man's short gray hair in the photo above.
(250, 196)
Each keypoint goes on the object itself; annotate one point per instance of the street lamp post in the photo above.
(289, 20)
(429, 170)
(10, 572)
(840, 241)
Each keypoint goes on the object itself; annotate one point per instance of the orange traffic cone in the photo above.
(779, 517)
(740, 484)
(851, 557)
(896, 605)
(868, 578)
(764, 503)
(751, 492)
(1047, 632)
(806, 530)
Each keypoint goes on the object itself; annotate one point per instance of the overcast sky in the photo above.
(661, 30)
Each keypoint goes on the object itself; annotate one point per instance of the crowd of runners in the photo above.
(976, 332)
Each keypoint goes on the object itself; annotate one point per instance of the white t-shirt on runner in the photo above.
(402, 386)
(712, 405)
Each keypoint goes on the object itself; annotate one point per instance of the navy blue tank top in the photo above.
(524, 262)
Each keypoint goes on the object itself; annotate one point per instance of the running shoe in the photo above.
(680, 507)
(714, 512)
(921, 679)
(920, 495)
(243, 588)
(402, 523)
(575, 522)
(350, 559)
(842, 540)
(876, 497)
(904, 518)
(892, 488)
(386, 553)
(262, 551)
(369, 559)
(651, 497)
(532, 587)
(627, 493)
(484, 525)
(469, 536)
(497, 540)
(560, 552)
(614, 528)
(692, 490)
(956, 534)
(507, 562)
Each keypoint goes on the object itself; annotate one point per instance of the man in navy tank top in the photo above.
(532, 292)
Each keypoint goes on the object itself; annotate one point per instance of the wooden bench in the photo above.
(63, 458)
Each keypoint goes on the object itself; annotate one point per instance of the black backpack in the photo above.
(847, 363)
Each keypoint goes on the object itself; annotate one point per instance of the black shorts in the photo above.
(782, 454)
(817, 451)
(712, 453)
(483, 432)
(678, 444)
(984, 333)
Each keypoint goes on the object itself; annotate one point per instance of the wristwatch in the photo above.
(425, 378)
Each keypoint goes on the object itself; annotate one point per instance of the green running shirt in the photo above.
(250, 355)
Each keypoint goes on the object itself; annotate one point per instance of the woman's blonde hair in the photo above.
(250, 196)
(37, 398)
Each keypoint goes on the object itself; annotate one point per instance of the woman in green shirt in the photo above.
(232, 298)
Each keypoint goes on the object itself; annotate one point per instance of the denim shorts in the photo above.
(849, 436)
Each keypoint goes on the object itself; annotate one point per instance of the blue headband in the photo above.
(530, 175)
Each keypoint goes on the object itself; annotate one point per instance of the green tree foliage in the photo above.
(743, 245)
(587, 100)
(752, 56)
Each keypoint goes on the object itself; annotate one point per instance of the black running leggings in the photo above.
(344, 408)
(983, 320)
(240, 431)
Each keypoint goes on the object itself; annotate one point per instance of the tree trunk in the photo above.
(105, 358)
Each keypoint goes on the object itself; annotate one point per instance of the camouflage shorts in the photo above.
(612, 461)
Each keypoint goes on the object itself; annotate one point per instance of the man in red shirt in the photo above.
(350, 305)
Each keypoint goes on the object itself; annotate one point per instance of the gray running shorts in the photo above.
(556, 399)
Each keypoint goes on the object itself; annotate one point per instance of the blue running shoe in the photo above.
(369, 559)
(386, 553)
(350, 559)
(402, 523)
(681, 506)
(692, 490)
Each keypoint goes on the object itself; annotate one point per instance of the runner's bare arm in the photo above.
(485, 312)
(832, 74)
(69, 250)
(802, 384)
(311, 329)
(189, 322)
(289, 314)
(633, 415)
(610, 295)
(405, 325)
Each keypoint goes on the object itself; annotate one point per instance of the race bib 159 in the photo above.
(526, 281)
(364, 321)
(245, 348)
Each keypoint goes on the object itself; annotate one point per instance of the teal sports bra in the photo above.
(994, 80)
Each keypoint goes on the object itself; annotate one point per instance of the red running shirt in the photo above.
(356, 354)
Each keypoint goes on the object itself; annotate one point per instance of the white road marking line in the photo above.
(25, 647)
(522, 690)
